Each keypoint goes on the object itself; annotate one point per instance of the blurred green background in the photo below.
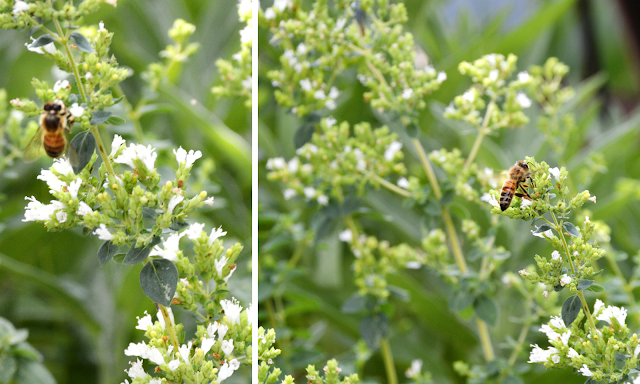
(80, 316)
(303, 303)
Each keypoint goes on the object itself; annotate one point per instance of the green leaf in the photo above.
(399, 293)
(543, 228)
(159, 279)
(99, 117)
(596, 288)
(356, 303)
(571, 229)
(81, 42)
(106, 252)
(584, 284)
(149, 213)
(42, 41)
(85, 145)
(8, 368)
(373, 329)
(413, 130)
(25, 350)
(115, 120)
(486, 309)
(138, 255)
(570, 309)
(304, 134)
(178, 225)
(30, 372)
(461, 300)
(511, 379)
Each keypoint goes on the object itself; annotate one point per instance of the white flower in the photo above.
(146, 352)
(636, 351)
(250, 312)
(301, 49)
(208, 201)
(146, 155)
(174, 364)
(232, 310)
(523, 100)
(565, 337)
(610, 312)
(565, 280)
(220, 264)
(281, 5)
(20, 6)
(407, 93)
(585, 370)
(391, 150)
(61, 216)
(555, 172)
(525, 203)
(491, 58)
(593, 198)
(83, 209)
(185, 350)
(322, 200)
(194, 231)
(227, 347)
(413, 265)
(539, 355)
(245, 35)
(305, 84)
(346, 236)
(416, 368)
(269, 14)
(244, 9)
(319, 95)
(309, 192)
(555, 255)
(442, 76)
(289, 193)
(171, 247)
(493, 74)
(74, 187)
(175, 200)
(182, 156)
(330, 104)
(136, 370)
(548, 233)
(215, 234)
(469, 96)
(334, 93)
(117, 142)
(276, 163)
(403, 183)
(48, 48)
(60, 84)
(76, 110)
(207, 343)
(103, 233)
(555, 359)
(88, 76)
(329, 121)
(145, 322)
(340, 23)
(228, 368)
(487, 198)
(524, 77)
(572, 353)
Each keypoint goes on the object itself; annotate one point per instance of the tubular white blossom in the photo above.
(323, 200)
(146, 155)
(103, 233)
(391, 150)
(407, 93)
(415, 369)
(20, 6)
(83, 209)
(539, 355)
(227, 347)
(555, 255)
(305, 84)
(555, 172)
(74, 187)
(173, 365)
(206, 344)
(117, 142)
(523, 100)
(175, 200)
(144, 322)
(171, 247)
(60, 84)
(585, 371)
(185, 350)
(220, 264)
(194, 231)
(161, 318)
(488, 198)
(215, 234)
(76, 110)
(612, 312)
(232, 310)
(136, 370)
(309, 192)
(565, 280)
(572, 353)
(346, 236)
(182, 156)
(289, 193)
(228, 368)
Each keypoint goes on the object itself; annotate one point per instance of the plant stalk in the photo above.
(481, 134)
(392, 376)
(390, 186)
(170, 328)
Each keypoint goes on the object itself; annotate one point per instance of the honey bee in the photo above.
(516, 178)
(51, 135)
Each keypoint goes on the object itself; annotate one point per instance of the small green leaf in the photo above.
(149, 213)
(42, 41)
(81, 42)
(511, 379)
(596, 288)
(178, 225)
(461, 300)
(399, 293)
(119, 257)
(354, 304)
(486, 309)
(543, 228)
(373, 329)
(106, 252)
(118, 100)
(99, 117)
(30, 372)
(570, 309)
(584, 284)
(85, 145)
(138, 255)
(159, 279)
(8, 368)
(413, 130)
(304, 134)
(571, 229)
(25, 350)
(115, 120)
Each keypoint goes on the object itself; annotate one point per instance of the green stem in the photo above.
(390, 186)
(170, 328)
(427, 167)
(392, 376)
(481, 134)
(101, 149)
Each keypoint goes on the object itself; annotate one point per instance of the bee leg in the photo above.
(70, 121)
(525, 194)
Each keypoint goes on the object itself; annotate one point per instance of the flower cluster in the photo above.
(354, 162)
(318, 45)
(18, 359)
(28, 14)
(236, 75)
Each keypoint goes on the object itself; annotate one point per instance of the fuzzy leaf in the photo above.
(303, 134)
(8, 368)
(81, 42)
(106, 252)
(42, 41)
(99, 117)
(584, 284)
(486, 309)
(159, 279)
(511, 379)
(570, 309)
(115, 120)
(84, 144)
(30, 372)
(138, 255)
(571, 229)
(373, 329)
(596, 288)
(354, 304)
(543, 228)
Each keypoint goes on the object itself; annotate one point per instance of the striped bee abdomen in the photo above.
(54, 145)
(508, 189)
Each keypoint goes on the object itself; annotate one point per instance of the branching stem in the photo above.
(171, 330)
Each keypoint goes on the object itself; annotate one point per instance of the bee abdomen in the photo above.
(506, 195)
(54, 145)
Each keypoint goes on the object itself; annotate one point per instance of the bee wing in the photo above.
(34, 149)
(71, 153)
